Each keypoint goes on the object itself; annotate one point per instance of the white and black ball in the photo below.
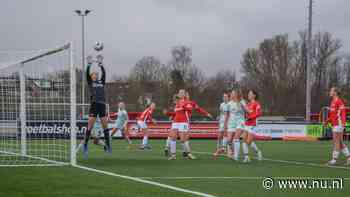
(98, 46)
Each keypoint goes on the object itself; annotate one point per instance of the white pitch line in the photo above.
(195, 177)
(290, 162)
(32, 165)
(306, 164)
(36, 157)
(144, 181)
(239, 178)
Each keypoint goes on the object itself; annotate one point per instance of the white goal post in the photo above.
(38, 109)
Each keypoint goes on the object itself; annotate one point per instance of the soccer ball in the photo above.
(98, 46)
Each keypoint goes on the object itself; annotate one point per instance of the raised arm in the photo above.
(88, 78)
(103, 77)
(100, 64)
(89, 61)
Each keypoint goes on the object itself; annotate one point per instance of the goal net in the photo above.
(38, 109)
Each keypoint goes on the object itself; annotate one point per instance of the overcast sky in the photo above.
(218, 31)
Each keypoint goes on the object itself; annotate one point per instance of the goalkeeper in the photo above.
(98, 102)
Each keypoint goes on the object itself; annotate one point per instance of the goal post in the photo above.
(73, 108)
(38, 109)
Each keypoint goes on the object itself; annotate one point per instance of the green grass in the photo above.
(70, 181)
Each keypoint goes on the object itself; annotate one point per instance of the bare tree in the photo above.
(146, 69)
(215, 86)
(277, 70)
(324, 66)
(181, 59)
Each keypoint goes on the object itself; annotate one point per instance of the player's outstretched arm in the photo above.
(103, 78)
(202, 111)
(89, 62)
(100, 64)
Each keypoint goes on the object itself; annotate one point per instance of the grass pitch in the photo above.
(221, 177)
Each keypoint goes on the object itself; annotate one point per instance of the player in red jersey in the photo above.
(253, 112)
(190, 107)
(180, 126)
(337, 118)
(142, 120)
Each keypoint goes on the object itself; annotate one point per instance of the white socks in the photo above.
(167, 144)
(173, 147)
(237, 146)
(186, 147)
(224, 142)
(345, 151)
(145, 140)
(335, 155)
(245, 149)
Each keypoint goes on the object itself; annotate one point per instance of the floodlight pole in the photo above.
(83, 14)
(308, 65)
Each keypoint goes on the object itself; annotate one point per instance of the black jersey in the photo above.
(97, 88)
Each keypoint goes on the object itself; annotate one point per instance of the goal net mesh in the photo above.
(37, 103)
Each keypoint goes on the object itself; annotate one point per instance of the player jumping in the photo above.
(98, 100)
(337, 118)
(222, 131)
(253, 112)
(145, 116)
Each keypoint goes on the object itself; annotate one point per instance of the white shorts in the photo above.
(141, 124)
(250, 129)
(181, 127)
(338, 129)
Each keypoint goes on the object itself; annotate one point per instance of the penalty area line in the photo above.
(136, 179)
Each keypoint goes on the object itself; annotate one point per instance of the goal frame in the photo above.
(22, 107)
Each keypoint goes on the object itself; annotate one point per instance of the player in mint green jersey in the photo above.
(222, 131)
(235, 124)
(121, 123)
